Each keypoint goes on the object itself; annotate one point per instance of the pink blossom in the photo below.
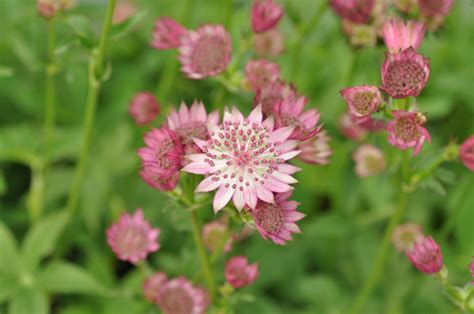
(350, 129)
(167, 34)
(213, 234)
(261, 72)
(144, 108)
(357, 11)
(426, 255)
(265, 15)
(407, 130)
(244, 160)
(277, 220)
(369, 161)
(466, 153)
(239, 273)
(433, 8)
(399, 35)
(269, 43)
(152, 286)
(205, 52)
(47, 8)
(123, 11)
(132, 237)
(191, 123)
(159, 180)
(405, 235)
(316, 150)
(270, 94)
(362, 101)
(405, 73)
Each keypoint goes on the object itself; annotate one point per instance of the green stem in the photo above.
(204, 258)
(50, 100)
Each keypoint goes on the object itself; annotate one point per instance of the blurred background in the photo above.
(319, 272)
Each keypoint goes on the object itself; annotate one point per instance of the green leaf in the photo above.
(127, 26)
(41, 239)
(3, 184)
(10, 261)
(29, 301)
(8, 287)
(63, 277)
(82, 29)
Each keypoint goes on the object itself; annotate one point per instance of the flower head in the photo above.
(159, 180)
(191, 123)
(357, 11)
(426, 255)
(132, 237)
(47, 8)
(405, 73)
(244, 160)
(369, 161)
(239, 273)
(167, 34)
(269, 43)
(205, 52)
(362, 101)
(407, 130)
(399, 35)
(213, 234)
(405, 235)
(144, 108)
(277, 220)
(466, 153)
(152, 285)
(265, 15)
(289, 112)
(316, 150)
(433, 8)
(270, 94)
(261, 72)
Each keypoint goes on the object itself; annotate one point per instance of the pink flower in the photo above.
(405, 235)
(167, 34)
(190, 123)
(239, 273)
(426, 255)
(213, 234)
(143, 108)
(132, 237)
(369, 161)
(244, 160)
(350, 129)
(357, 11)
(265, 15)
(269, 43)
(362, 101)
(471, 268)
(152, 286)
(261, 72)
(466, 153)
(123, 11)
(205, 52)
(433, 8)
(270, 94)
(399, 35)
(289, 112)
(316, 150)
(406, 130)
(179, 296)
(47, 8)
(405, 73)
(277, 220)
(159, 180)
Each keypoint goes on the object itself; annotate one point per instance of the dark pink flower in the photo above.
(132, 238)
(261, 72)
(433, 8)
(466, 153)
(350, 129)
(270, 94)
(407, 130)
(316, 150)
(205, 52)
(213, 234)
(167, 34)
(357, 11)
(277, 220)
(239, 273)
(144, 108)
(369, 161)
(269, 43)
(362, 101)
(399, 35)
(426, 255)
(152, 286)
(159, 180)
(405, 73)
(265, 15)
(405, 235)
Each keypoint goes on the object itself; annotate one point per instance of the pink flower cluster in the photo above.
(239, 273)
(426, 255)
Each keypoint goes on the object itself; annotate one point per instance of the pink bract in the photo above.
(261, 72)
(426, 255)
(357, 11)
(407, 130)
(270, 94)
(433, 8)
(369, 161)
(245, 159)
(132, 238)
(144, 108)
(362, 101)
(167, 34)
(466, 153)
(399, 35)
(265, 15)
(239, 273)
(316, 150)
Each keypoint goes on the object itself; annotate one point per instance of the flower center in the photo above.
(209, 55)
(132, 241)
(192, 130)
(270, 218)
(405, 76)
(406, 130)
(176, 300)
(363, 102)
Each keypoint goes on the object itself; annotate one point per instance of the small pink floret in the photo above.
(265, 15)
(239, 273)
(144, 108)
(167, 34)
(407, 130)
(426, 255)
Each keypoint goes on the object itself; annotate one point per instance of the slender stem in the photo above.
(50, 99)
(204, 258)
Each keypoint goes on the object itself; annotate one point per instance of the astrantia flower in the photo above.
(239, 273)
(362, 101)
(244, 160)
(466, 153)
(277, 220)
(47, 8)
(407, 130)
(205, 52)
(369, 161)
(405, 235)
(357, 11)
(144, 108)
(167, 34)
(261, 72)
(399, 35)
(289, 112)
(159, 180)
(213, 234)
(152, 286)
(179, 296)
(433, 8)
(265, 15)
(190, 123)
(269, 43)
(426, 255)
(272, 93)
(316, 150)
(405, 73)
(132, 238)
(350, 129)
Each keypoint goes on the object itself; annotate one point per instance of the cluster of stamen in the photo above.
(269, 217)
(362, 102)
(406, 129)
(209, 55)
(404, 76)
(177, 300)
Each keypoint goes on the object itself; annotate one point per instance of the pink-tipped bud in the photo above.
(265, 15)
(239, 273)
(466, 153)
(405, 235)
(167, 34)
(369, 161)
(426, 255)
(144, 108)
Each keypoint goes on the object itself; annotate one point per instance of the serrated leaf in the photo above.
(10, 261)
(29, 301)
(127, 26)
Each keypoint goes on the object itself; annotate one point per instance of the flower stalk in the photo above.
(50, 97)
